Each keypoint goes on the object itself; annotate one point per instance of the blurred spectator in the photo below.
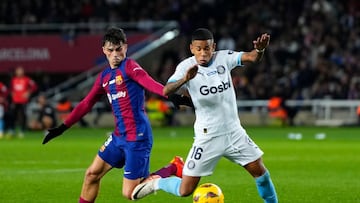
(3, 107)
(101, 110)
(242, 87)
(169, 60)
(279, 110)
(21, 89)
(354, 90)
(64, 107)
(276, 109)
(226, 41)
(158, 111)
(46, 115)
(144, 22)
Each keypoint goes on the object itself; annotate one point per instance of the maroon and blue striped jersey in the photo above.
(125, 89)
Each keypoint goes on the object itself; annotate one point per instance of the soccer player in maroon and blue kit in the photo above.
(129, 146)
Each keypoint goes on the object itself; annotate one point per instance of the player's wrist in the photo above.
(63, 127)
(184, 80)
(260, 50)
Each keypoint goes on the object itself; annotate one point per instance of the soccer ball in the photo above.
(208, 193)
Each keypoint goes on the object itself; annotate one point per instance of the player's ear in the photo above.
(214, 46)
(191, 48)
(103, 49)
(125, 46)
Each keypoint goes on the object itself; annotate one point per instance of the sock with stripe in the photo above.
(266, 188)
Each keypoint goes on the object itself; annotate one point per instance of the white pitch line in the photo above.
(36, 171)
(35, 162)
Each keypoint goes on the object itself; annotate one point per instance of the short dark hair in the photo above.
(114, 35)
(202, 34)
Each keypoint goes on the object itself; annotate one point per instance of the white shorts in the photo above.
(205, 153)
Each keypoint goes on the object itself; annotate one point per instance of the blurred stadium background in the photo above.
(312, 60)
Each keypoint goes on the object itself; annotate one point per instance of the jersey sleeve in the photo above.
(181, 70)
(233, 58)
(139, 75)
(86, 104)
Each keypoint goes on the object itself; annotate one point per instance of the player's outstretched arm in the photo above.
(172, 87)
(260, 44)
(54, 132)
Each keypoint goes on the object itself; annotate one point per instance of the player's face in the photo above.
(41, 100)
(202, 50)
(114, 53)
(19, 72)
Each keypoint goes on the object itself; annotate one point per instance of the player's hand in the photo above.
(178, 100)
(54, 132)
(262, 42)
(191, 73)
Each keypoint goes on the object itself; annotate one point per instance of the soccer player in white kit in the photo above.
(218, 132)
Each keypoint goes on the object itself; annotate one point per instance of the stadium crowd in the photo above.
(314, 49)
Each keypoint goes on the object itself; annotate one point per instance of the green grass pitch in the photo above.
(306, 170)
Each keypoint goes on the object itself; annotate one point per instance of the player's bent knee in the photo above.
(256, 168)
(126, 194)
(91, 176)
(186, 192)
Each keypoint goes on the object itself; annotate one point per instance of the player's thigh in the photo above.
(241, 149)
(111, 153)
(203, 156)
(137, 164)
(137, 161)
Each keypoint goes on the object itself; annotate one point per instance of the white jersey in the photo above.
(212, 93)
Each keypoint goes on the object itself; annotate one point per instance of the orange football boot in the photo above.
(179, 163)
